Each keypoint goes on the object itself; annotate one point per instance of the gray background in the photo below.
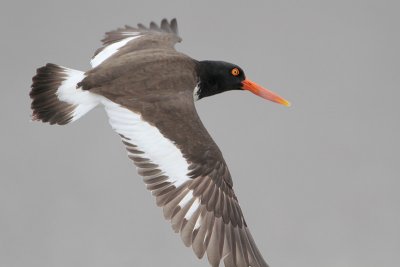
(318, 182)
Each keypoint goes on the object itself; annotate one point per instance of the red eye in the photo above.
(235, 72)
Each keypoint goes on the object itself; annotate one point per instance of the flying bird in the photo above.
(148, 90)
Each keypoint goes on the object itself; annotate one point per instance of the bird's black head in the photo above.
(218, 76)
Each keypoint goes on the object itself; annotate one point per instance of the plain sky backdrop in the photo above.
(318, 182)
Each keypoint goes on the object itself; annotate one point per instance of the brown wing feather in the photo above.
(165, 36)
(216, 227)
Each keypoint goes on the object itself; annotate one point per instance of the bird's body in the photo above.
(148, 90)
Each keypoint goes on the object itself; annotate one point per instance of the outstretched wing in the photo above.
(185, 171)
(129, 39)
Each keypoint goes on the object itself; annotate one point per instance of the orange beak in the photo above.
(264, 93)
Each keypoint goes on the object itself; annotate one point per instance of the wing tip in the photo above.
(110, 37)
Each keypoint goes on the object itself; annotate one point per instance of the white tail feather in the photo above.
(56, 98)
(68, 92)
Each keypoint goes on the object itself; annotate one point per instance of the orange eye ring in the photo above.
(235, 72)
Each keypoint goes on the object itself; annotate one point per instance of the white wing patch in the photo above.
(148, 139)
(113, 48)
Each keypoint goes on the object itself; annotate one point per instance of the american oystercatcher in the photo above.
(148, 90)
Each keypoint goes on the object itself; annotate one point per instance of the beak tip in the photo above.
(284, 102)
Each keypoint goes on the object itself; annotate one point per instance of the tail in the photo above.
(56, 99)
